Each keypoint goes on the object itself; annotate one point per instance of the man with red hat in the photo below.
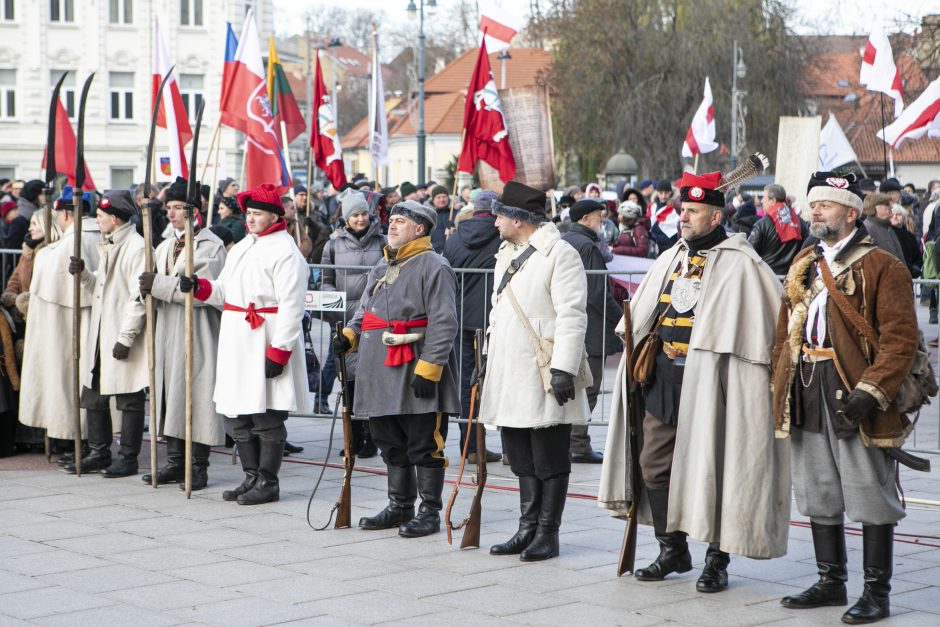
(709, 461)
(261, 372)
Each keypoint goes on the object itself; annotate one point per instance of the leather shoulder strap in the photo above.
(514, 266)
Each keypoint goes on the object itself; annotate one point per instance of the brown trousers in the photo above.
(659, 443)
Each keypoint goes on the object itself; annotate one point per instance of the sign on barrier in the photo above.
(316, 300)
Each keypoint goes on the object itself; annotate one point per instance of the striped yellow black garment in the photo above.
(676, 328)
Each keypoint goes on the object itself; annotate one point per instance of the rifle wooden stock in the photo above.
(343, 505)
(628, 548)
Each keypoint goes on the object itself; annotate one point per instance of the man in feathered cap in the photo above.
(709, 461)
(406, 378)
(261, 372)
(118, 362)
(535, 403)
(846, 338)
(161, 282)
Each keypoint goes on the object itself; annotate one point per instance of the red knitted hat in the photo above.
(263, 196)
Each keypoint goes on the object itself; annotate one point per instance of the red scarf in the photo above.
(785, 221)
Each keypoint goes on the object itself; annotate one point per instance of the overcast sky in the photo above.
(812, 16)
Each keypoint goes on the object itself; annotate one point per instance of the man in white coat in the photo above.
(117, 364)
(261, 371)
(170, 260)
(46, 398)
(535, 408)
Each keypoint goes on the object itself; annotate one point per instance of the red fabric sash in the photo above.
(251, 313)
(395, 355)
(785, 221)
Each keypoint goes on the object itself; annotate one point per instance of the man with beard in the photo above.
(846, 338)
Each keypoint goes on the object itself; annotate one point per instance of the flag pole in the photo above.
(309, 179)
(695, 165)
(463, 136)
(241, 178)
(213, 145)
(884, 146)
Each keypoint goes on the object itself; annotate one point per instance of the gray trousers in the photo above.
(580, 440)
(832, 477)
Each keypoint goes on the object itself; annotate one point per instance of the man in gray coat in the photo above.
(406, 382)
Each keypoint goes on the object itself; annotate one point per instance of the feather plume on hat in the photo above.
(751, 167)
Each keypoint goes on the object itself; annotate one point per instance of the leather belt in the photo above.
(673, 352)
(813, 354)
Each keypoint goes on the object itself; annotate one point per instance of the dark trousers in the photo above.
(268, 426)
(100, 427)
(580, 440)
(542, 453)
(411, 439)
(659, 443)
(466, 373)
(327, 373)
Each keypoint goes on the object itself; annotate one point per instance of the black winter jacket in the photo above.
(474, 245)
(778, 255)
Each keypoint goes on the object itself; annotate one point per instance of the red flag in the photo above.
(229, 113)
(324, 136)
(485, 135)
(172, 113)
(65, 148)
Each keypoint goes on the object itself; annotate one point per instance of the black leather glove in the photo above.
(423, 388)
(341, 344)
(146, 282)
(858, 406)
(188, 283)
(272, 369)
(476, 378)
(562, 386)
(120, 352)
(76, 265)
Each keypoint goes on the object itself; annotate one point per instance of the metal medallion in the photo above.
(391, 273)
(685, 294)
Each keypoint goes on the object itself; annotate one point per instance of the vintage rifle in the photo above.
(634, 424)
(343, 509)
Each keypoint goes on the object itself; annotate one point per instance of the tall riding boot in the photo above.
(200, 467)
(530, 502)
(248, 453)
(99, 443)
(714, 577)
(878, 562)
(173, 471)
(368, 448)
(132, 436)
(428, 519)
(545, 543)
(402, 492)
(829, 544)
(674, 556)
(266, 489)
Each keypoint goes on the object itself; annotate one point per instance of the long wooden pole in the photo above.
(188, 355)
(215, 184)
(151, 347)
(77, 329)
(47, 237)
(309, 180)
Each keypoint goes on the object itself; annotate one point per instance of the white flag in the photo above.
(834, 147)
(378, 122)
(701, 136)
(879, 73)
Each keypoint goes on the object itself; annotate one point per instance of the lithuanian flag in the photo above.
(283, 104)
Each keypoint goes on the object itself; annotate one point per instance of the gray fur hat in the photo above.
(422, 214)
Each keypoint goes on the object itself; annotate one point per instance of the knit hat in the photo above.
(224, 183)
(521, 202)
(629, 210)
(701, 188)
(407, 188)
(263, 197)
(873, 200)
(7, 207)
(177, 190)
(352, 201)
(118, 203)
(647, 183)
(485, 201)
(663, 186)
(299, 189)
(439, 189)
(31, 190)
(413, 210)
(583, 208)
(890, 185)
(842, 189)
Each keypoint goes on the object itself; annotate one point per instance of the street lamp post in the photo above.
(420, 135)
(738, 70)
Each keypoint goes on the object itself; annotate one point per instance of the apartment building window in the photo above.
(191, 12)
(122, 95)
(8, 172)
(121, 11)
(62, 10)
(7, 94)
(67, 93)
(191, 92)
(6, 10)
(121, 178)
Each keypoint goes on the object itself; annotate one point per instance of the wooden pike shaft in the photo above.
(151, 347)
(188, 356)
(47, 236)
(77, 329)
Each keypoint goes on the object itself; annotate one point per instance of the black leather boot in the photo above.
(248, 453)
(829, 544)
(172, 472)
(674, 556)
(428, 519)
(200, 467)
(402, 492)
(530, 502)
(878, 562)
(544, 544)
(132, 436)
(368, 449)
(266, 489)
(69, 455)
(99, 443)
(714, 577)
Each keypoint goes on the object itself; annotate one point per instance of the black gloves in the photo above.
(146, 282)
(76, 265)
(188, 283)
(341, 344)
(423, 388)
(562, 386)
(856, 408)
(476, 378)
(120, 352)
(272, 369)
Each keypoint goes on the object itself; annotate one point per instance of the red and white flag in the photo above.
(879, 73)
(172, 114)
(485, 135)
(324, 136)
(920, 117)
(701, 136)
(246, 98)
(498, 32)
